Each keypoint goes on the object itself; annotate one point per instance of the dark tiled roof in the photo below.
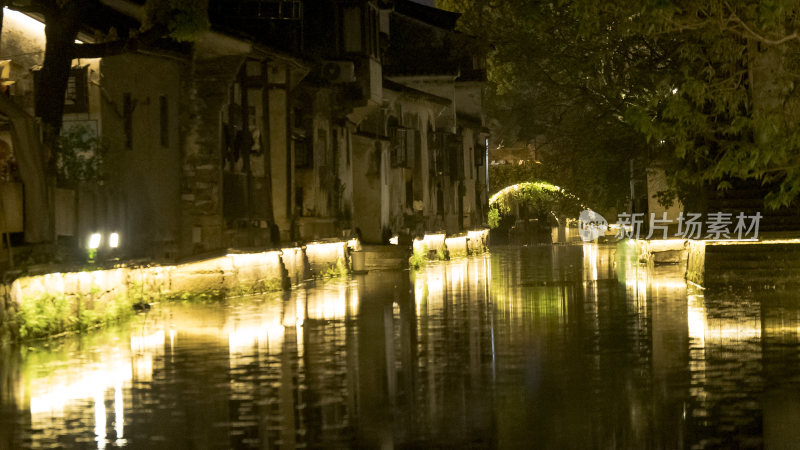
(433, 16)
(397, 87)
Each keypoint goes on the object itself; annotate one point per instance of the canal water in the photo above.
(551, 347)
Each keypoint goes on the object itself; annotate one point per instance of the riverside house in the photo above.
(286, 122)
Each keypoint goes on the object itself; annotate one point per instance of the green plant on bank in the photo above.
(494, 218)
(337, 270)
(259, 287)
(50, 315)
(206, 297)
(136, 292)
(419, 258)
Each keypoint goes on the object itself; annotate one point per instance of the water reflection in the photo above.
(561, 346)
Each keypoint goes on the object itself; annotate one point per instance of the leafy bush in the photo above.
(419, 258)
(81, 155)
(337, 270)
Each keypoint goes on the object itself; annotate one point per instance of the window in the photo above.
(76, 99)
(399, 137)
(404, 144)
(361, 29)
(76, 96)
(298, 199)
(163, 111)
(372, 29)
(303, 153)
(351, 29)
(409, 195)
(440, 159)
(480, 155)
(455, 152)
(411, 139)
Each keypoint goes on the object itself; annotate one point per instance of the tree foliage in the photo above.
(556, 83)
(81, 156)
(706, 89)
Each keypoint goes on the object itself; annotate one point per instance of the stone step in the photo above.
(386, 257)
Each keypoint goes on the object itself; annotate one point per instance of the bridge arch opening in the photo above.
(529, 212)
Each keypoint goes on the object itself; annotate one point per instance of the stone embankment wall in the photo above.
(75, 300)
(68, 301)
(471, 243)
(768, 263)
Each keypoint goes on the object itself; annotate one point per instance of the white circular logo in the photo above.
(591, 225)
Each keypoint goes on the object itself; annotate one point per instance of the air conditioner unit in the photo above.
(339, 71)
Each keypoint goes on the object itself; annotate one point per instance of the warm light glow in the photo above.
(420, 288)
(325, 251)
(458, 273)
(94, 241)
(696, 315)
(667, 244)
(244, 338)
(394, 240)
(429, 242)
(100, 419)
(591, 254)
(477, 234)
(330, 305)
(119, 412)
(153, 341)
(51, 394)
(27, 23)
(514, 188)
(113, 240)
(354, 244)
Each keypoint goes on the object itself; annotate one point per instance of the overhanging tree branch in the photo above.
(119, 46)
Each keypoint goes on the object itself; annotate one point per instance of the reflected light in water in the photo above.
(100, 418)
(718, 330)
(119, 412)
(267, 334)
(150, 342)
(419, 292)
(331, 305)
(52, 393)
(458, 272)
(697, 319)
(590, 256)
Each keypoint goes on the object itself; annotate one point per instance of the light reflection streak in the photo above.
(100, 418)
(696, 317)
(719, 330)
(590, 257)
(119, 412)
(51, 394)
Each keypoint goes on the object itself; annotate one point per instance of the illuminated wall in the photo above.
(232, 273)
(469, 243)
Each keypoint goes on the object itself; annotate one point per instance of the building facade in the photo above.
(286, 122)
